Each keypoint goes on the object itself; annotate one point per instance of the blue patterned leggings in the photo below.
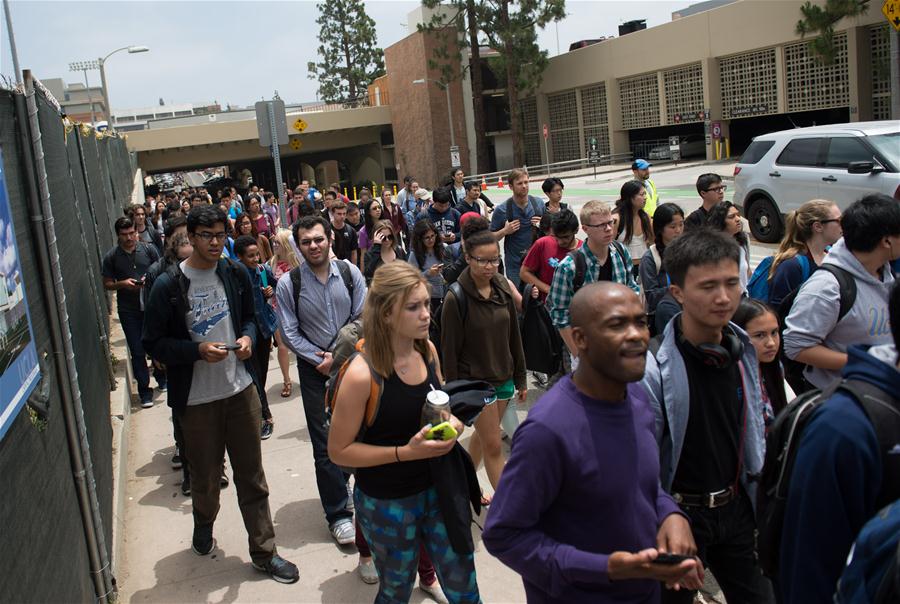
(394, 528)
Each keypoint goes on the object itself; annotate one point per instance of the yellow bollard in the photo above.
(395, 190)
(728, 148)
(354, 193)
(345, 191)
(718, 150)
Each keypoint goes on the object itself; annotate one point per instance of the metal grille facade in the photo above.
(880, 47)
(594, 116)
(684, 93)
(639, 101)
(749, 84)
(813, 85)
(563, 110)
(530, 130)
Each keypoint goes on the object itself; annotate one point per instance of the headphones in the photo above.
(717, 356)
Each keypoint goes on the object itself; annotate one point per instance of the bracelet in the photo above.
(397, 453)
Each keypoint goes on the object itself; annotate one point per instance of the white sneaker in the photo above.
(367, 572)
(343, 532)
(434, 590)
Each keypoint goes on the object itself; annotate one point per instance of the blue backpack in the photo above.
(873, 569)
(758, 286)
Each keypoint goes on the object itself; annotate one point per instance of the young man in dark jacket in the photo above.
(838, 483)
(200, 324)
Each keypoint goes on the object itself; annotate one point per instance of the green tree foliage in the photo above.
(822, 19)
(349, 55)
(510, 28)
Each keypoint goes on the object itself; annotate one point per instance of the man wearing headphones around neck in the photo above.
(703, 384)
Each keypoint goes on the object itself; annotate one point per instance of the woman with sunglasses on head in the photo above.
(485, 344)
(809, 231)
(406, 495)
(385, 249)
(392, 211)
(427, 255)
(726, 217)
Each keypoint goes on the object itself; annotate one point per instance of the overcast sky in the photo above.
(233, 52)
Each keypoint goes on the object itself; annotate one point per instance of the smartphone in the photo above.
(670, 559)
(229, 347)
(443, 431)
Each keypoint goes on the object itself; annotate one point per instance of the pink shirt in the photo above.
(543, 258)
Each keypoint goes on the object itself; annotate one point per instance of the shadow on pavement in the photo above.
(303, 522)
(200, 579)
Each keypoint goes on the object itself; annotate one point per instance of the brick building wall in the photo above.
(419, 112)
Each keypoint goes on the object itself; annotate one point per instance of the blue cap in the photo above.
(640, 164)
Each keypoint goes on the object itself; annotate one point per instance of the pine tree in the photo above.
(350, 58)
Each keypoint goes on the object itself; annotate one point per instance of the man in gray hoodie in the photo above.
(815, 334)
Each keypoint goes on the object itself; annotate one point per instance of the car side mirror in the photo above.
(860, 167)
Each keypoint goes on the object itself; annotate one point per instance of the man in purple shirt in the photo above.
(579, 511)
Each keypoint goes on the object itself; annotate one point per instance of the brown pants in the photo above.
(232, 425)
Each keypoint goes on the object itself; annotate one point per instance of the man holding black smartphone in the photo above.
(201, 325)
(124, 267)
(579, 511)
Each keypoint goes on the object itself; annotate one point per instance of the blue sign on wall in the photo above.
(19, 372)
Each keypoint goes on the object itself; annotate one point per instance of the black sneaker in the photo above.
(267, 430)
(186, 487)
(279, 569)
(223, 482)
(203, 542)
(176, 461)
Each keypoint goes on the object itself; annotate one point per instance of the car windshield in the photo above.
(888, 146)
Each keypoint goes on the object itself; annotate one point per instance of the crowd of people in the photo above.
(642, 465)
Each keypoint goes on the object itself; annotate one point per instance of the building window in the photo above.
(639, 101)
(594, 116)
(564, 135)
(880, 45)
(183, 113)
(146, 116)
(684, 94)
(813, 85)
(530, 131)
(749, 84)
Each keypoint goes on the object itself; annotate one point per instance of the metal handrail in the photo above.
(584, 163)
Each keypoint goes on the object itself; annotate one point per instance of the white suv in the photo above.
(841, 162)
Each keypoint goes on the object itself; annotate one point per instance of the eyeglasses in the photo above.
(601, 225)
(718, 189)
(207, 236)
(486, 262)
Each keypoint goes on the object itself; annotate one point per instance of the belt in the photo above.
(706, 500)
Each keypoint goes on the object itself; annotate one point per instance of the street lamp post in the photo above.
(446, 88)
(102, 63)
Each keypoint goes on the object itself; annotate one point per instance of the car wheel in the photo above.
(765, 220)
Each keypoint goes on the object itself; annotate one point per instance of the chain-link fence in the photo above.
(89, 181)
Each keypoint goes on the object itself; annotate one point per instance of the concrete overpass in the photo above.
(351, 146)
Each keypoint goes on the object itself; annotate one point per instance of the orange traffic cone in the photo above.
(500, 183)
(483, 184)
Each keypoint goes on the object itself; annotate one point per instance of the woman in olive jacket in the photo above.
(480, 340)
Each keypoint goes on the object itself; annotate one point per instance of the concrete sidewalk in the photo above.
(159, 566)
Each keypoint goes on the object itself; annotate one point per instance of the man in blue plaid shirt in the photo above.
(604, 260)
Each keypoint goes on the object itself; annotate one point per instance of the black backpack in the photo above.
(541, 341)
(346, 277)
(581, 265)
(793, 370)
(783, 441)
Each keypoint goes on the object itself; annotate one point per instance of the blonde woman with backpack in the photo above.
(398, 470)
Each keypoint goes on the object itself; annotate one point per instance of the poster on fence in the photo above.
(19, 372)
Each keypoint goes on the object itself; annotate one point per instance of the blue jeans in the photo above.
(330, 479)
(132, 324)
